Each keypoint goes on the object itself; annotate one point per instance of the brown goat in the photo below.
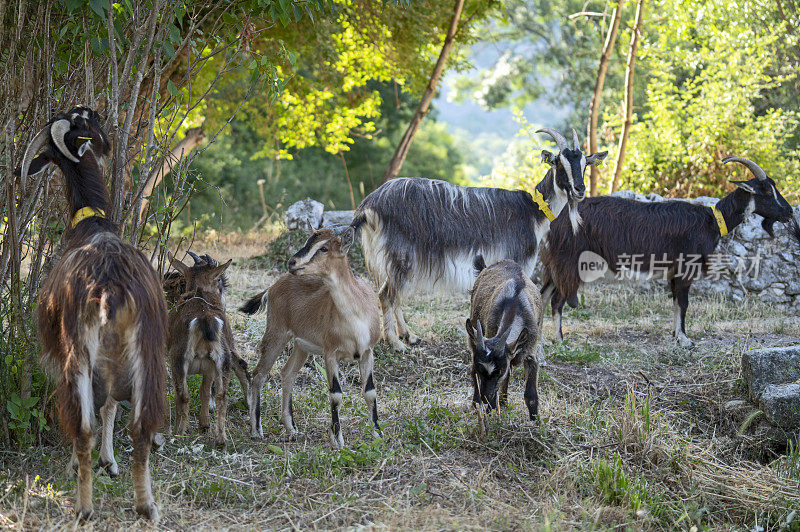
(101, 313)
(327, 310)
(200, 341)
(508, 305)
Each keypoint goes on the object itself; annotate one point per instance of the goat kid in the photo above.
(503, 328)
(200, 342)
(101, 313)
(328, 311)
(422, 234)
(175, 286)
(664, 233)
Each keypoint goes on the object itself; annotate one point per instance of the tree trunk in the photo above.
(424, 105)
(193, 138)
(605, 55)
(626, 126)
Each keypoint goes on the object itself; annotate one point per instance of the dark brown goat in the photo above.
(503, 328)
(664, 234)
(200, 341)
(101, 313)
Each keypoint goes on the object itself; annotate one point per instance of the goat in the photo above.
(507, 303)
(200, 341)
(664, 233)
(175, 286)
(101, 313)
(327, 310)
(423, 233)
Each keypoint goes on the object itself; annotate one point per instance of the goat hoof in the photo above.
(412, 339)
(148, 511)
(289, 437)
(84, 514)
(220, 443)
(399, 346)
(203, 429)
(109, 466)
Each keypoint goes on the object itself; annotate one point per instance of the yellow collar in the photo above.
(86, 212)
(543, 206)
(723, 227)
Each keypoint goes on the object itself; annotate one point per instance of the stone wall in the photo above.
(776, 261)
(748, 247)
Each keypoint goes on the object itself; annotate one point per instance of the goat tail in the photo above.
(147, 347)
(257, 303)
(209, 327)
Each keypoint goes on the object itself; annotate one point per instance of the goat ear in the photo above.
(347, 237)
(596, 158)
(745, 185)
(219, 270)
(83, 148)
(548, 158)
(470, 329)
(178, 265)
(522, 338)
(38, 164)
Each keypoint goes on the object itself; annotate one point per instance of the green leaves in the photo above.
(99, 7)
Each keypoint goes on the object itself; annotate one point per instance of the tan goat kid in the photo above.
(327, 310)
(200, 341)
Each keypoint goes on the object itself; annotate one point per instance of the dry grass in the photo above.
(634, 434)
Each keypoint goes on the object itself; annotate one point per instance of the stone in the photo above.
(305, 215)
(337, 218)
(774, 365)
(781, 405)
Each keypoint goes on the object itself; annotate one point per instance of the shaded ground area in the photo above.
(634, 433)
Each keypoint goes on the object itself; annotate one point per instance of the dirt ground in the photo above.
(635, 433)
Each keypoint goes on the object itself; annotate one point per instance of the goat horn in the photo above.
(757, 170)
(576, 143)
(558, 137)
(58, 130)
(197, 260)
(479, 334)
(32, 150)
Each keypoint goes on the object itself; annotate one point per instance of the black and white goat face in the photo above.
(68, 136)
(766, 200)
(491, 362)
(569, 165)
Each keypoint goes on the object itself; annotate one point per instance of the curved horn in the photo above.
(754, 168)
(197, 260)
(576, 143)
(33, 149)
(479, 334)
(558, 137)
(57, 131)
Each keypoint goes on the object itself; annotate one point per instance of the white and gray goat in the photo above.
(664, 235)
(423, 234)
(504, 328)
(326, 310)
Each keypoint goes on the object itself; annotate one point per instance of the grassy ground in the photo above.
(635, 433)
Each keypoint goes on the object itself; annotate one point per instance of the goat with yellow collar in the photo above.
(662, 234)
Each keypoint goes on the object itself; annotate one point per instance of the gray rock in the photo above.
(781, 405)
(774, 365)
(336, 218)
(305, 215)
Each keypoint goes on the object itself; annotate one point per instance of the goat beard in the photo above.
(574, 217)
(767, 224)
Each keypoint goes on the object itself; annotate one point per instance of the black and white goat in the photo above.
(503, 327)
(423, 234)
(101, 313)
(665, 235)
